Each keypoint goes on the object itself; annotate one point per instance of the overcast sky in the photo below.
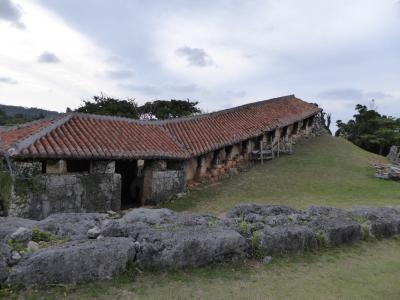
(54, 53)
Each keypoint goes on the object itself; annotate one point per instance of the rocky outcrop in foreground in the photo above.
(78, 247)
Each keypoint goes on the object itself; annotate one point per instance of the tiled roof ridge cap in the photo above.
(14, 149)
(182, 119)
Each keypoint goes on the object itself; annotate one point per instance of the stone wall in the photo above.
(39, 196)
(160, 183)
(166, 184)
(29, 193)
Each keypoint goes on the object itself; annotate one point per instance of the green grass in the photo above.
(367, 270)
(325, 170)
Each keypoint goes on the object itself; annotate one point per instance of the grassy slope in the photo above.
(325, 170)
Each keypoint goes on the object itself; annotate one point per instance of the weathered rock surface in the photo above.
(73, 225)
(75, 262)
(5, 255)
(171, 240)
(102, 245)
(283, 239)
(380, 221)
(9, 225)
(246, 210)
(22, 234)
(335, 225)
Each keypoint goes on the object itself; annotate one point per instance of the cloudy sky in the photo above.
(54, 53)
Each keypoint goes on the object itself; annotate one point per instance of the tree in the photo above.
(104, 105)
(370, 130)
(163, 109)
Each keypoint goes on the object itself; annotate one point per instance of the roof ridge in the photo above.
(175, 120)
(227, 110)
(29, 140)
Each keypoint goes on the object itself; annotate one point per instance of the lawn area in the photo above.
(325, 170)
(367, 270)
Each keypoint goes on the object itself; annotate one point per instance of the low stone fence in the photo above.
(77, 247)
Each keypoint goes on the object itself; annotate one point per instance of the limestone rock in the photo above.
(9, 225)
(77, 261)
(242, 210)
(381, 221)
(5, 256)
(94, 232)
(22, 234)
(335, 225)
(32, 247)
(283, 239)
(171, 240)
(15, 257)
(73, 225)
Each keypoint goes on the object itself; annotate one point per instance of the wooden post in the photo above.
(261, 152)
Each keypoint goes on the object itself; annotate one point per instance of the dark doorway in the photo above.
(131, 183)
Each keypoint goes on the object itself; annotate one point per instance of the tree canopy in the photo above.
(370, 130)
(156, 110)
(163, 109)
(104, 105)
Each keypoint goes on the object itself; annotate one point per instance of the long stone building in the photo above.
(82, 163)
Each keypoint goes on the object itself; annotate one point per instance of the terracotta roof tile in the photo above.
(102, 137)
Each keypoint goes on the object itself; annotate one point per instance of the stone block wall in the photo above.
(166, 184)
(160, 183)
(41, 195)
(30, 194)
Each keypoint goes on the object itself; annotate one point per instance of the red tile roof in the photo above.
(102, 137)
(208, 132)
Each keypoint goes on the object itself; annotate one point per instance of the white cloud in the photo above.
(236, 52)
(51, 85)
